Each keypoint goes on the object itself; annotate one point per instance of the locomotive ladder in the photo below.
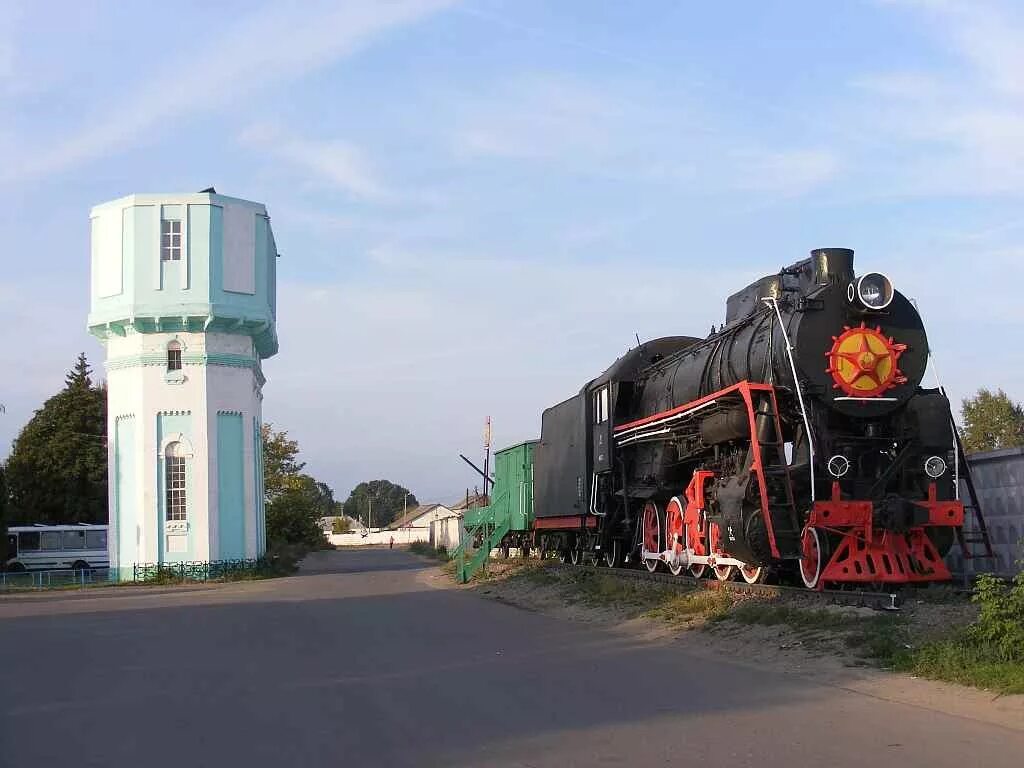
(773, 470)
(968, 540)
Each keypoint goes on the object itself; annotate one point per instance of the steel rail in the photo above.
(879, 601)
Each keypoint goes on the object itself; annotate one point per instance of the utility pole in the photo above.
(369, 515)
(487, 454)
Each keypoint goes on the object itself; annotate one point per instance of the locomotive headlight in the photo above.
(935, 467)
(873, 290)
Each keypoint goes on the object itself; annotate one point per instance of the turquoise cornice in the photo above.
(191, 320)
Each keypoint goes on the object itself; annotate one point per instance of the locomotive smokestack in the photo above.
(832, 265)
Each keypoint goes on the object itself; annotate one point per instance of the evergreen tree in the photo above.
(57, 470)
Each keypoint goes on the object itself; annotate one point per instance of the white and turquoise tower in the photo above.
(183, 299)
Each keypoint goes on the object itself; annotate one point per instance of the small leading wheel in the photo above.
(724, 572)
(613, 554)
(652, 564)
(697, 570)
(754, 574)
(576, 556)
(812, 547)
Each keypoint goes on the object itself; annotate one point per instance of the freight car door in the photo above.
(601, 432)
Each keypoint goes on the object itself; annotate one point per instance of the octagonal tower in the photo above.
(183, 299)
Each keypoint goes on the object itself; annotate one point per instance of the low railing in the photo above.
(141, 573)
(199, 570)
(54, 579)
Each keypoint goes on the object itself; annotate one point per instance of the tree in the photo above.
(341, 525)
(281, 466)
(294, 516)
(57, 470)
(295, 502)
(991, 421)
(388, 499)
(3, 515)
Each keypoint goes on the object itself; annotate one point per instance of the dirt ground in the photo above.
(823, 654)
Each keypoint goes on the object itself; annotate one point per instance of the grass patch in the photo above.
(428, 550)
(707, 604)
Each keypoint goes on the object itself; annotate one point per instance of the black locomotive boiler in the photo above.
(796, 437)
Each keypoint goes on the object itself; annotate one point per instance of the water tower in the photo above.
(183, 300)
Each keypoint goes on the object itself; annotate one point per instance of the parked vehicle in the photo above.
(52, 547)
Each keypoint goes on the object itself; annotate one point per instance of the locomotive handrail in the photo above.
(774, 304)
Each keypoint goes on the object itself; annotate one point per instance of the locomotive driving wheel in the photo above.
(613, 554)
(674, 533)
(697, 539)
(652, 534)
(722, 572)
(754, 574)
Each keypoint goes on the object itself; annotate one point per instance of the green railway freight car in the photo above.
(508, 520)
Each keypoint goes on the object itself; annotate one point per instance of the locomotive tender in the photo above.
(796, 438)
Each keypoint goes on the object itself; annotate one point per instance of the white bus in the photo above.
(52, 547)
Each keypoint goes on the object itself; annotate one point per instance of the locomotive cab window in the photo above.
(601, 405)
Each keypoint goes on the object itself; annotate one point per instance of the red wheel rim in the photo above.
(674, 526)
(751, 573)
(652, 528)
(810, 563)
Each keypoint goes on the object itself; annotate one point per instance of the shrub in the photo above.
(1000, 625)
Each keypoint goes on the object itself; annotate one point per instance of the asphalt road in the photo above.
(359, 662)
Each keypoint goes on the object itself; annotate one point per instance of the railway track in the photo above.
(879, 601)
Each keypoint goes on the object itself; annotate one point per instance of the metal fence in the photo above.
(54, 579)
(141, 573)
(198, 570)
(999, 480)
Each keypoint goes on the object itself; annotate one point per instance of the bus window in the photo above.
(12, 545)
(74, 539)
(28, 542)
(95, 539)
(50, 540)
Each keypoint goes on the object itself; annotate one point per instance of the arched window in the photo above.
(174, 356)
(174, 481)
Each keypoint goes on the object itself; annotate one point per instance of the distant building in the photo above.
(442, 525)
(184, 301)
(999, 481)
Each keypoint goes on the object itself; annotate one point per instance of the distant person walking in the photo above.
(391, 543)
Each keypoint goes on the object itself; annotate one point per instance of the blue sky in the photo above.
(480, 203)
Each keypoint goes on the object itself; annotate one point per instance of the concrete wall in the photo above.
(447, 532)
(999, 481)
(403, 536)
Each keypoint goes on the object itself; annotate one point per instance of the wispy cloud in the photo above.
(790, 173)
(282, 42)
(339, 163)
(962, 127)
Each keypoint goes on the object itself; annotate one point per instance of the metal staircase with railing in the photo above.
(493, 523)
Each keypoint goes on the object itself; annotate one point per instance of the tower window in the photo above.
(174, 473)
(170, 240)
(174, 356)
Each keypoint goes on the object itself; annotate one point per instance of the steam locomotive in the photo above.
(796, 438)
